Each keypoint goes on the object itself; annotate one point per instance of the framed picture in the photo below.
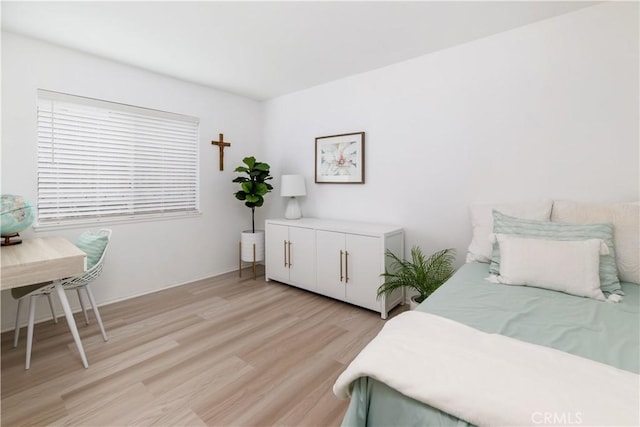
(340, 159)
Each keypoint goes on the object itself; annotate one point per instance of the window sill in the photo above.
(98, 222)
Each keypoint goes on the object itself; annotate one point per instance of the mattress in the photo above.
(604, 332)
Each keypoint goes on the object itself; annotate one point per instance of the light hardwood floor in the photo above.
(222, 351)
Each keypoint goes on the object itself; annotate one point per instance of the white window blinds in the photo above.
(98, 159)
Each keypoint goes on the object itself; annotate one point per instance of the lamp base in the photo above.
(293, 209)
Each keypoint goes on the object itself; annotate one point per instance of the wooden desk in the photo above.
(40, 260)
(43, 260)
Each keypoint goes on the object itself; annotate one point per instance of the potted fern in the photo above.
(253, 188)
(420, 274)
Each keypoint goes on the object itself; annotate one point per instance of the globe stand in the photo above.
(6, 240)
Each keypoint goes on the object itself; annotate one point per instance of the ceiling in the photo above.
(266, 49)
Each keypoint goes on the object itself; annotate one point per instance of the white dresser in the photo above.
(339, 259)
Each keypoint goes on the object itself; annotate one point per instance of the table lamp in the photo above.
(292, 186)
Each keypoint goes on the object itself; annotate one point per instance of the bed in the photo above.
(604, 332)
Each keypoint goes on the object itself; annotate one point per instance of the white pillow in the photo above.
(625, 218)
(570, 266)
(480, 247)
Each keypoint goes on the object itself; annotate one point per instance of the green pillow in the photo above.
(505, 224)
(93, 245)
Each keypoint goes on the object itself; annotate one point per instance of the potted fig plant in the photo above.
(421, 275)
(253, 188)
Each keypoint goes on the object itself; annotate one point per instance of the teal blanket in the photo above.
(601, 331)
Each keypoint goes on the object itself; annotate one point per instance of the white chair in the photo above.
(78, 283)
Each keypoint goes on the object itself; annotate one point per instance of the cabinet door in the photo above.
(330, 263)
(275, 243)
(363, 271)
(302, 257)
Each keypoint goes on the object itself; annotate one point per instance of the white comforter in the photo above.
(490, 379)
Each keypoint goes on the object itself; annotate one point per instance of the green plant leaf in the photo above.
(241, 195)
(419, 274)
(247, 187)
(262, 166)
(241, 169)
(249, 161)
(261, 189)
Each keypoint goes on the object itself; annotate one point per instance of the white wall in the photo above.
(148, 255)
(546, 110)
(549, 110)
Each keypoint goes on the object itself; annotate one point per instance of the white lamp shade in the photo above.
(292, 186)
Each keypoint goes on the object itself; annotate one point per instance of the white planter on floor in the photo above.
(248, 239)
(412, 303)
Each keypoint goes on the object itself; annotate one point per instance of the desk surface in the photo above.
(40, 260)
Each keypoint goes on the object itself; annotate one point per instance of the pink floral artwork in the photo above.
(340, 159)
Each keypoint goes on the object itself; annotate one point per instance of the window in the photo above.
(101, 160)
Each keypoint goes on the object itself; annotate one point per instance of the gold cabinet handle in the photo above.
(346, 266)
(285, 253)
(289, 243)
(341, 277)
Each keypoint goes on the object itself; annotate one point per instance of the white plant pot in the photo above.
(248, 239)
(412, 303)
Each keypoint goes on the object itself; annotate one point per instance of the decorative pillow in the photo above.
(504, 224)
(93, 245)
(568, 266)
(626, 230)
(480, 247)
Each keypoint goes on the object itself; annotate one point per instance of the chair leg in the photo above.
(16, 333)
(53, 312)
(71, 322)
(84, 308)
(32, 313)
(94, 306)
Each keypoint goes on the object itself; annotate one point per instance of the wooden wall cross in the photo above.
(221, 145)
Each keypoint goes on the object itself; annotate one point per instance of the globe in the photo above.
(16, 214)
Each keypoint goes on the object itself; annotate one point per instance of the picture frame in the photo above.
(340, 159)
